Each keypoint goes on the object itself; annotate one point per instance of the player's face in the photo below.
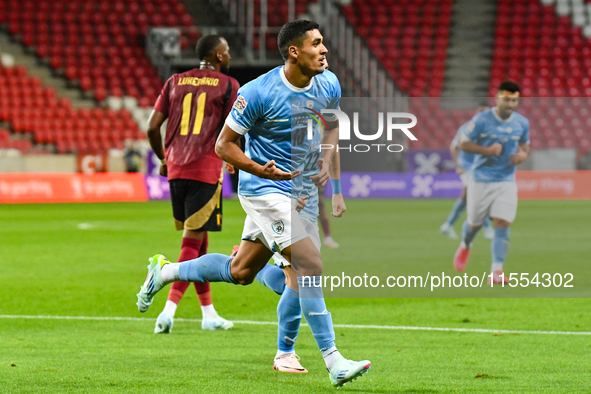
(312, 53)
(507, 103)
(223, 53)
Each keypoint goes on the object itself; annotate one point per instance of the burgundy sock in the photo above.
(202, 289)
(189, 250)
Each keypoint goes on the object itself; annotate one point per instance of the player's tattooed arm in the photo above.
(338, 201)
(227, 150)
(155, 137)
(521, 155)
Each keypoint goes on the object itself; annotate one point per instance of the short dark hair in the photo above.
(509, 86)
(291, 32)
(207, 44)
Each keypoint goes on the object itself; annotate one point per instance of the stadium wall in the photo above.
(49, 163)
(121, 187)
(68, 188)
(531, 185)
(38, 163)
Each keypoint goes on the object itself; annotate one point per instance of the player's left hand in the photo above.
(230, 168)
(163, 170)
(338, 205)
(518, 158)
(321, 178)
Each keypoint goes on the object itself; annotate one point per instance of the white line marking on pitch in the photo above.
(270, 323)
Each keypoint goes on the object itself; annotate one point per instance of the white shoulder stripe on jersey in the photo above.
(238, 129)
(276, 120)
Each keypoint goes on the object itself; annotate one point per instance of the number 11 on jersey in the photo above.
(186, 118)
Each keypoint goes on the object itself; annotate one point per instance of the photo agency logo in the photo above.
(391, 120)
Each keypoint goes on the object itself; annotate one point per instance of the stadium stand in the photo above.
(36, 114)
(410, 38)
(542, 46)
(98, 44)
(278, 16)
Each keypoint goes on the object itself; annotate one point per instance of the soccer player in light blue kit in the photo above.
(262, 112)
(500, 139)
(463, 162)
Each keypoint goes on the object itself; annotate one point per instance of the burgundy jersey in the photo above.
(196, 103)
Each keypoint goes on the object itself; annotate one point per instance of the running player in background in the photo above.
(196, 103)
(322, 212)
(500, 139)
(262, 112)
(463, 162)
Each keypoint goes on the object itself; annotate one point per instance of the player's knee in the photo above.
(308, 266)
(245, 281)
(244, 277)
(500, 223)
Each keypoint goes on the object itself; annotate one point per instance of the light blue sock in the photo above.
(272, 277)
(456, 211)
(487, 222)
(289, 313)
(213, 267)
(467, 234)
(499, 246)
(314, 310)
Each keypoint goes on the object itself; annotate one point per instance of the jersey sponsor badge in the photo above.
(240, 104)
(278, 226)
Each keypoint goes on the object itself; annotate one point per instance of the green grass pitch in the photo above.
(88, 260)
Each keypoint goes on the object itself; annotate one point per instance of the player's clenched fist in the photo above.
(338, 205)
(518, 158)
(495, 149)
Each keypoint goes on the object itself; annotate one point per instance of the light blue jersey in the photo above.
(265, 112)
(309, 189)
(485, 129)
(465, 159)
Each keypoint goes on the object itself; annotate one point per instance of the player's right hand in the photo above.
(163, 170)
(230, 168)
(495, 149)
(270, 171)
(302, 203)
(322, 177)
(459, 170)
